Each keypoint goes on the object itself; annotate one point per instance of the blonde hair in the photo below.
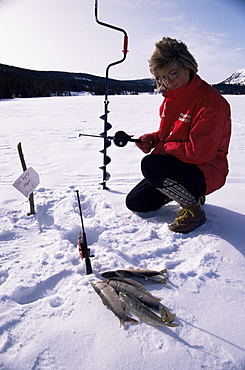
(169, 51)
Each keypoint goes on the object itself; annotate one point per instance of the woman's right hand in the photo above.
(147, 143)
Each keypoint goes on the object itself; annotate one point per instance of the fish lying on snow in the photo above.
(112, 301)
(143, 312)
(145, 297)
(142, 276)
(132, 282)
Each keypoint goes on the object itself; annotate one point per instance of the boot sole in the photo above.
(202, 200)
(197, 225)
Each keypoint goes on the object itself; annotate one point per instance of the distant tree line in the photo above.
(24, 83)
(230, 89)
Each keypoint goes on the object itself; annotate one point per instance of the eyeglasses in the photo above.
(171, 76)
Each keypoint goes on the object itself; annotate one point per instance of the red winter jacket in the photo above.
(196, 127)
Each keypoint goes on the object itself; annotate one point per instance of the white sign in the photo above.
(27, 182)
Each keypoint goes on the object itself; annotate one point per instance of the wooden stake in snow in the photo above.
(31, 196)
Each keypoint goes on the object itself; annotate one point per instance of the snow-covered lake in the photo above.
(51, 318)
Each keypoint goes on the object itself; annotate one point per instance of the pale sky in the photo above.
(62, 35)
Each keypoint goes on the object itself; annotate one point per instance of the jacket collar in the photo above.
(184, 90)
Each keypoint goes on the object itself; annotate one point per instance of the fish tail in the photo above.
(133, 321)
(172, 324)
(171, 318)
(167, 315)
(123, 322)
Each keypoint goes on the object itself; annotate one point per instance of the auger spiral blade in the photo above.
(107, 160)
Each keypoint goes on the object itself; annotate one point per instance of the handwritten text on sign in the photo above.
(27, 182)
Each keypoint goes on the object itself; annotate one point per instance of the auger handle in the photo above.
(120, 138)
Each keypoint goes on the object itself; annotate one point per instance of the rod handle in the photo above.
(88, 266)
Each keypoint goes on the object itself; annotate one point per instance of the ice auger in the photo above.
(104, 117)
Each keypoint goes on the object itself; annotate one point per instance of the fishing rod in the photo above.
(84, 251)
(107, 125)
(120, 138)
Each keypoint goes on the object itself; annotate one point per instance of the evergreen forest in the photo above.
(24, 83)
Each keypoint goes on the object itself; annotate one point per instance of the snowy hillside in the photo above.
(237, 78)
(51, 318)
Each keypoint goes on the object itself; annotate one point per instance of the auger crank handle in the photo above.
(120, 139)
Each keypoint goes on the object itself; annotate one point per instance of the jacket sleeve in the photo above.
(205, 137)
(156, 138)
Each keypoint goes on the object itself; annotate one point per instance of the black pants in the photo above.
(145, 197)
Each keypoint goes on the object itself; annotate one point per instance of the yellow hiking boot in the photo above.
(189, 217)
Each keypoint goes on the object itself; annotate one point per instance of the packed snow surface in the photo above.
(51, 318)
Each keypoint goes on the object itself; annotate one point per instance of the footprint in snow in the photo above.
(5, 342)
(56, 302)
(44, 217)
(170, 265)
(6, 339)
(3, 276)
(25, 295)
(7, 235)
(45, 360)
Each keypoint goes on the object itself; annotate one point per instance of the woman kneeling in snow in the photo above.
(189, 157)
